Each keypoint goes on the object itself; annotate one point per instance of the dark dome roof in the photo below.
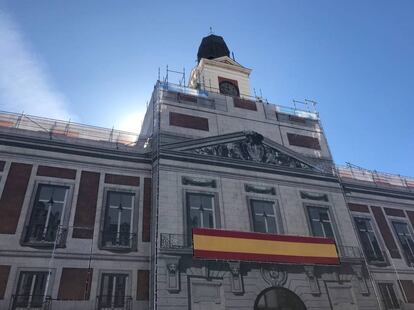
(212, 47)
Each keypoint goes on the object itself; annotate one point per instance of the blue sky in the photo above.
(96, 62)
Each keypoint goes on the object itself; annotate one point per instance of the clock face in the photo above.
(228, 88)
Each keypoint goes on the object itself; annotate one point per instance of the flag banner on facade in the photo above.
(260, 247)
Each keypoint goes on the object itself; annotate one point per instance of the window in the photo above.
(45, 225)
(200, 208)
(406, 240)
(263, 215)
(369, 241)
(118, 222)
(113, 291)
(388, 295)
(320, 222)
(31, 289)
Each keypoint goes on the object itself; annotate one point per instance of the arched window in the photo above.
(278, 298)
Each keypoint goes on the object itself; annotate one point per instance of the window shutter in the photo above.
(86, 205)
(11, 201)
(385, 232)
(146, 212)
(75, 284)
(143, 285)
(4, 276)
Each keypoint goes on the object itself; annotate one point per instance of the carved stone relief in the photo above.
(173, 274)
(275, 276)
(314, 196)
(252, 148)
(236, 278)
(313, 281)
(363, 287)
(198, 182)
(269, 190)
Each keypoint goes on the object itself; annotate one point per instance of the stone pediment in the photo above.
(246, 146)
(228, 60)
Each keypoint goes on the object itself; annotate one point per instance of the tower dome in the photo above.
(212, 47)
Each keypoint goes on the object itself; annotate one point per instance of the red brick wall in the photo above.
(385, 232)
(121, 179)
(75, 284)
(303, 141)
(408, 287)
(358, 207)
(11, 201)
(188, 121)
(244, 104)
(394, 212)
(4, 276)
(146, 212)
(143, 285)
(86, 205)
(56, 172)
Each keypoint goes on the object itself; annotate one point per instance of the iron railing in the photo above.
(109, 302)
(58, 128)
(40, 235)
(174, 241)
(118, 240)
(29, 302)
(350, 252)
(204, 93)
(350, 172)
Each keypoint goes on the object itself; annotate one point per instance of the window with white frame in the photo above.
(200, 211)
(388, 295)
(118, 222)
(406, 239)
(46, 220)
(113, 292)
(263, 216)
(31, 290)
(320, 222)
(368, 239)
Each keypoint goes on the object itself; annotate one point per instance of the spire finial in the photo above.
(211, 30)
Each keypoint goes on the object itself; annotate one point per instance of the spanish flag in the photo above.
(216, 244)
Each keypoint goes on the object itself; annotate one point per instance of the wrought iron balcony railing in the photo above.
(174, 241)
(40, 235)
(30, 302)
(118, 240)
(110, 302)
(350, 252)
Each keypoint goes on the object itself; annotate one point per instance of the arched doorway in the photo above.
(278, 298)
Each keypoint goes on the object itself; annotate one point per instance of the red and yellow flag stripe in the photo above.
(259, 247)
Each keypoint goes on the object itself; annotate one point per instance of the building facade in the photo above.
(224, 201)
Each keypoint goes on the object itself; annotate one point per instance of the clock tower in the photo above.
(217, 72)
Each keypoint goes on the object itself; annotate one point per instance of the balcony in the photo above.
(350, 254)
(119, 241)
(109, 302)
(45, 236)
(175, 243)
(29, 302)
